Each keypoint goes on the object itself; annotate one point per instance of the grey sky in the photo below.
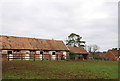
(95, 20)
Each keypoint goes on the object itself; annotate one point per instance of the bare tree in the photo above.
(92, 48)
(95, 48)
(88, 48)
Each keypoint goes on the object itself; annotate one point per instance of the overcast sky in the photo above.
(95, 20)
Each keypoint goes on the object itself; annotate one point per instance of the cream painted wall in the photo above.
(27, 56)
(4, 51)
(10, 57)
(53, 57)
(37, 52)
(65, 54)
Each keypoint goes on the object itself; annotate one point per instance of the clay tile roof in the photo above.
(77, 50)
(11, 42)
(115, 52)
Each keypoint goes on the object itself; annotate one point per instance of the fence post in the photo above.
(34, 56)
(12, 56)
(16, 54)
(8, 57)
(21, 56)
(57, 56)
(29, 55)
(42, 56)
(49, 56)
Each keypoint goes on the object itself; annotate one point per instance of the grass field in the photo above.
(60, 70)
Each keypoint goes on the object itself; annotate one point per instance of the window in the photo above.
(32, 51)
(41, 52)
(9, 52)
(53, 53)
(14, 50)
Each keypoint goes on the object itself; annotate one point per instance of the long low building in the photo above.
(23, 48)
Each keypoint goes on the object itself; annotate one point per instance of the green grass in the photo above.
(60, 70)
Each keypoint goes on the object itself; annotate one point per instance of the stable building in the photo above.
(23, 48)
(77, 53)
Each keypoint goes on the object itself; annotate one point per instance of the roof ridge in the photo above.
(28, 38)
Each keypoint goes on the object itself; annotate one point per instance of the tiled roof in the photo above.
(77, 50)
(12, 42)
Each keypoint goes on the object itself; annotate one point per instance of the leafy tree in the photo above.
(74, 40)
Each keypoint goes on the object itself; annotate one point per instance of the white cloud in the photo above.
(94, 20)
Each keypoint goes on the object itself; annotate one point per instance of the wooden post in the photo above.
(21, 56)
(42, 56)
(57, 56)
(29, 54)
(49, 56)
(19, 52)
(8, 57)
(16, 54)
(34, 56)
(13, 56)
(68, 57)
